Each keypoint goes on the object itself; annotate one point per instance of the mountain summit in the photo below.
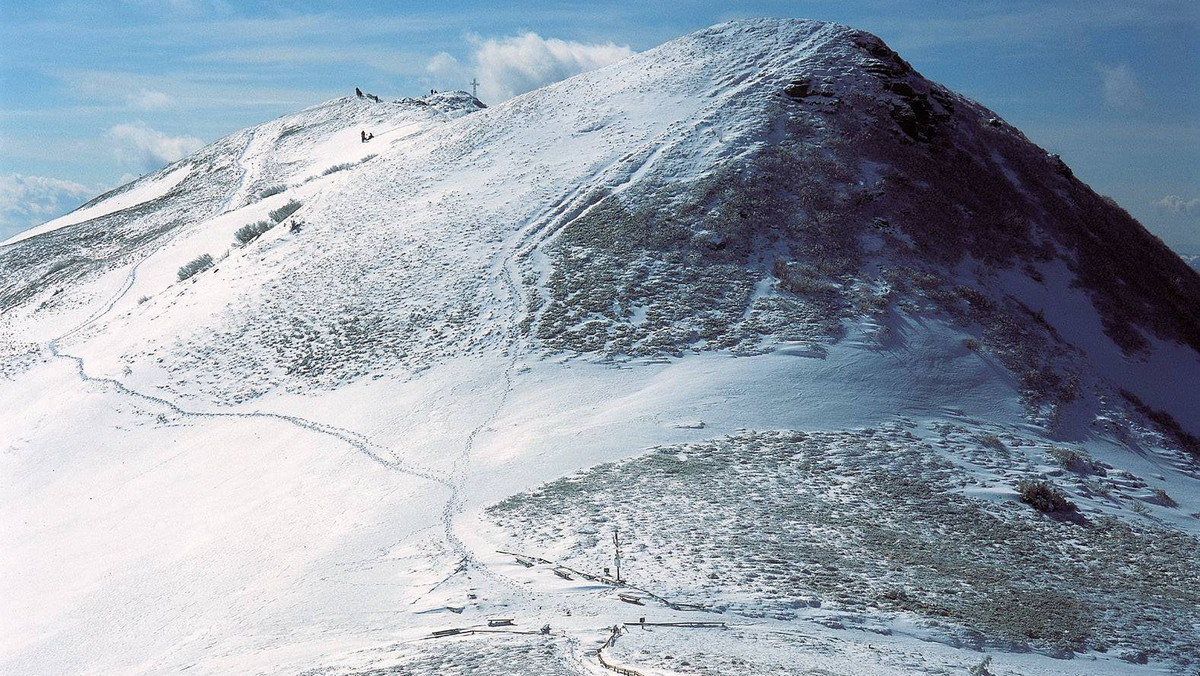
(849, 371)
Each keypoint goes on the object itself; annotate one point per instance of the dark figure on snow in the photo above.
(364, 137)
(358, 92)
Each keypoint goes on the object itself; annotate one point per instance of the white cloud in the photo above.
(1178, 205)
(147, 149)
(1120, 88)
(26, 201)
(148, 99)
(445, 70)
(510, 66)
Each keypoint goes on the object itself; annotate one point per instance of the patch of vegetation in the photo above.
(667, 266)
(272, 190)
(248, 233)
(981, 669)
(859, 520)
(61, 265)
(348, 165)
(284, 211)
(197, 265)
(1164, 498)
(1074, 460)
(991, 441)
(339, 167)
(1044, 496)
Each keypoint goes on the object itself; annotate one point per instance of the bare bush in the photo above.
(284, 211)
(197, 265)
(1044, 496)
(250, 232)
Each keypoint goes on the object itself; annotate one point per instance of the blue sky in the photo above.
(95, 93)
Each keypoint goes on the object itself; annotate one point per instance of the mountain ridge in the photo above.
(769, 256)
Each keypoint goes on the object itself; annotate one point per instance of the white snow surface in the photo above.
(171, 504)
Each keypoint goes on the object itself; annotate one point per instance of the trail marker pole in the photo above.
(617, 559)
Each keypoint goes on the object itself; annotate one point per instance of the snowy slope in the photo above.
(769, 239)
(136, 194)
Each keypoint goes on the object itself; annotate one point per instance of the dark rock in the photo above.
(1061, 167)
(798, 89)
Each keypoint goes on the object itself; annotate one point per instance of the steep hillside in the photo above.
(805, 327)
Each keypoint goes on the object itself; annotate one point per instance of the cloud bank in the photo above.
(510, 66)
(26, 201)
(1178, 205)
(147, 149)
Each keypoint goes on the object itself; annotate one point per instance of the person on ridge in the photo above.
(358, 92)
(364, 137)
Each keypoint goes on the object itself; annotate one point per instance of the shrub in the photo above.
(250, 232)
(284, 211)
(981, 669)
(1044, 496)
(273, 190)
(990, 441)
(802, 279)
(338, 167)
(143, 299)
(1164, 498)
(348, 165)
(1073, 460)
(199, 264)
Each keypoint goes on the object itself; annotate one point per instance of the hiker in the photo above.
(358, 92)
(370, 136)
(364, 136)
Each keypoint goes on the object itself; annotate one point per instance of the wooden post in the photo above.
(617, 546)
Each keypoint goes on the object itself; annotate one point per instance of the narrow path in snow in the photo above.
(454, 504)
(228, 203)
(360, 443)
(507, 291)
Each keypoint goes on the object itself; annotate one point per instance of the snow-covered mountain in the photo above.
(792, 320)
